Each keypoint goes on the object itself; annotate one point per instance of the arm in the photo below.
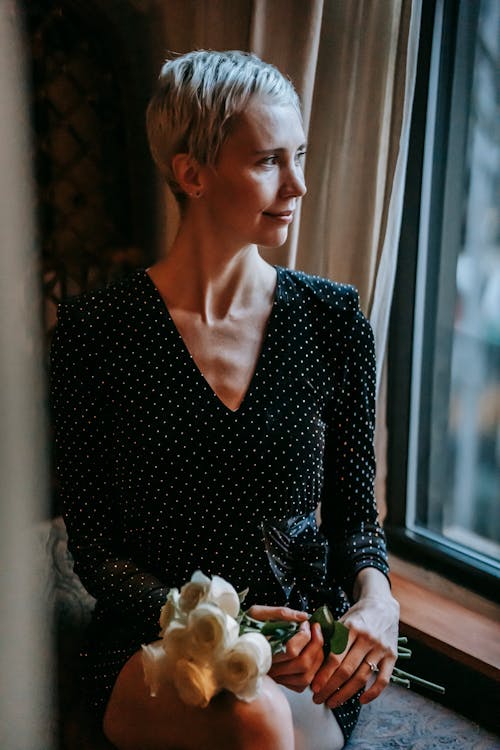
(81, 412)
(348, 507)
(358, 558)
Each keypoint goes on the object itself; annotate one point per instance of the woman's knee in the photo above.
(265, 723)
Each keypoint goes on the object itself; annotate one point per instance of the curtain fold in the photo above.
(383, 286)
(354, 133)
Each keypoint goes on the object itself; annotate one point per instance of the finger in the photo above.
(323, 676)
(382, 680)
(307, 662)
(296, 644)
(337, 668)
(263, 612)
(348, 672)
(364, 675)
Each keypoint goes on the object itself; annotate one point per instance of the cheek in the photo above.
(242, 199)
(242, 206)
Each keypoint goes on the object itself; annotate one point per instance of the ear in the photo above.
(187, 172)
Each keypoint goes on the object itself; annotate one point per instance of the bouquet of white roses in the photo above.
(201, 649)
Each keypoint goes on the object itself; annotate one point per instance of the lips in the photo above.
(278, 213)
(281, 216)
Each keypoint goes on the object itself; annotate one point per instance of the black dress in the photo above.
(159, 478)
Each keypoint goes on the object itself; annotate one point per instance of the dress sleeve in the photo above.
(348, 507)
(81, 418)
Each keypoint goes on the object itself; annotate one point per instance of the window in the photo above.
(445, 417)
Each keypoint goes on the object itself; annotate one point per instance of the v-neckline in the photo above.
(258, 362)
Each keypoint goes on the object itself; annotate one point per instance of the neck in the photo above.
(212, 279)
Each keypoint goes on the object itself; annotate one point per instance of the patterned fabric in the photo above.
(403, 720)
(160, 478)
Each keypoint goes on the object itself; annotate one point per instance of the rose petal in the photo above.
(156, 666)
(170, 610)
(211, 631)
(225, 596)
(241, 668)
(199, 577)
(251, 690)
(258, 644)
(195, 684)
(193, 593)
(177, 642)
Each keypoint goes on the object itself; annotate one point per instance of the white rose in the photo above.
(177, 642)
(156, 666)
(225, 596)
(194, 592)
(240, 670)
(195, 683)
(211, 630)
(170, 610)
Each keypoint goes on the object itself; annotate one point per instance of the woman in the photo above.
(210, 403)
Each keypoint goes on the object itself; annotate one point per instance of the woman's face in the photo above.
(251, 193)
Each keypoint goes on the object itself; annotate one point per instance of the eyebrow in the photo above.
(278, 148)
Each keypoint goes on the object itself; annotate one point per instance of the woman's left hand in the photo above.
(371, 652)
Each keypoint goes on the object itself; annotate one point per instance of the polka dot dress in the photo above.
(159, 478)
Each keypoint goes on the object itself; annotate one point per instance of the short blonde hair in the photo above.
(197, 96)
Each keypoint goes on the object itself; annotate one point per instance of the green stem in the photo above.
(399, 681)
(400, 673)
(246, 619)
(404, 653)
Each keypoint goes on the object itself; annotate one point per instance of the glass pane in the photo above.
(464, 488)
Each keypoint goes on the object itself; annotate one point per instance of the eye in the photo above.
(269, 160)
(300, 155)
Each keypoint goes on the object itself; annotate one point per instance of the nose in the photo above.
(293, 182)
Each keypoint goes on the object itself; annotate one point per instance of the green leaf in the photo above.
(335, 634)
(324, 617)
(338, 641)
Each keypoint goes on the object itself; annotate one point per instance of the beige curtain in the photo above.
(353, 63)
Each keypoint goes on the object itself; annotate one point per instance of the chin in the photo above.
(274, 241)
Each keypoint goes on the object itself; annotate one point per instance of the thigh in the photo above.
(315, 727)
(136, 721)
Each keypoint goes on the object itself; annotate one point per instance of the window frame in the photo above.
(426, 214)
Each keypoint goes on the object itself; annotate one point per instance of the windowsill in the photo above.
(447, 618)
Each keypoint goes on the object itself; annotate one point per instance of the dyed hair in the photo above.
(197, 97)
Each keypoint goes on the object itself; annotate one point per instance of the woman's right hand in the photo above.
(297, 666)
